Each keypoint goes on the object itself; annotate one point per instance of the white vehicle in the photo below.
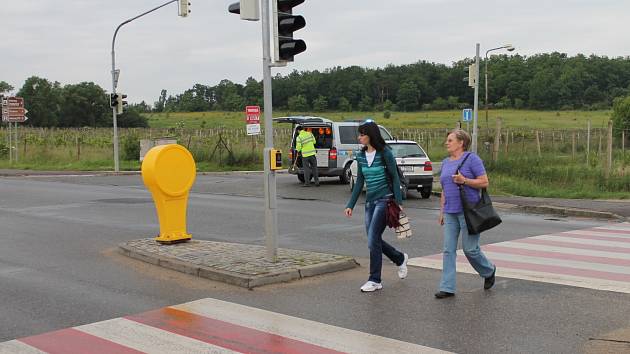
(415, 164)
(336, 144)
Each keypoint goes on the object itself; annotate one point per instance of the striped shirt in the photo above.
(377, 182)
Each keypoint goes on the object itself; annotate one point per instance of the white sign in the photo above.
(253, 129)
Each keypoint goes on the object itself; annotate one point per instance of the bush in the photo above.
(131, 148)
(387, 114)
(4, 149)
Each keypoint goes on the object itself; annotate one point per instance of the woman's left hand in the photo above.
(459, 178)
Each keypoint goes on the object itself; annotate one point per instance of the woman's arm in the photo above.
(392, 169)
(477, 183)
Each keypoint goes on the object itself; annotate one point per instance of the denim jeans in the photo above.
(453, 225)
(374, 226)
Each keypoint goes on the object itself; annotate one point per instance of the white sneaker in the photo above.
(371, 286)
(402, 269)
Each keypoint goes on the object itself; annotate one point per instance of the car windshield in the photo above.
(407, 150)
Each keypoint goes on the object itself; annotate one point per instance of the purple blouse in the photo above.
(472, 168)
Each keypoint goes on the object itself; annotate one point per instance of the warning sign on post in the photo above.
(252, 119)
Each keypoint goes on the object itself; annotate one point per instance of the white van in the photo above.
(336, 143)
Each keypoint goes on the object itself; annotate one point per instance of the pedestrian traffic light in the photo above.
(184, 8)
(284, 24)
(121, 103)
(113, 100)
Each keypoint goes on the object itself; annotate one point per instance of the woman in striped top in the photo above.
(377, 168)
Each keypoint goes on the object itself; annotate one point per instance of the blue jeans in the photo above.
(453, 225)
(374, 226)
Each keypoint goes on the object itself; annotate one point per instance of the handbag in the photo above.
(481, 216)
(397, 219)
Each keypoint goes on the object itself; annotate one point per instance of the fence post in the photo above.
(609, 149)
(497, 141)
(538, 144)
(623, 142)
(507, 143)
(588, 140)
(573, 145)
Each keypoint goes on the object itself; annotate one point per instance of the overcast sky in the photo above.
(70, 40)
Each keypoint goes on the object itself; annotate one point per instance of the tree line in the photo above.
(543, 81)
(75, 105)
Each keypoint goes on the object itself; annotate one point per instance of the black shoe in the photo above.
(316, 184)
(443, 294)
(489, 281)
(306, 185)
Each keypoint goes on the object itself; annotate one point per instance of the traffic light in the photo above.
(184, 8)
(113, 100)
(121, 103)
(284, 24)
(248, 9)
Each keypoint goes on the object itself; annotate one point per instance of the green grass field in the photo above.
(433, 119)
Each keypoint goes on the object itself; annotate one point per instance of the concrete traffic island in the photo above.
(237, 264)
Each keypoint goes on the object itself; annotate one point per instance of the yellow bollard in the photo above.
(169, 172)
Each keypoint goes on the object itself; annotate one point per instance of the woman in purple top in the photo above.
(461, 168)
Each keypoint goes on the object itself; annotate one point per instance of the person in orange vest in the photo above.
(305, 144)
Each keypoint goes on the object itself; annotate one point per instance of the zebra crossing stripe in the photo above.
(209, 326)
(585, 258)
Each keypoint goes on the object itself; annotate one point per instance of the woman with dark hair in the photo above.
(461, 169)
(377, 168)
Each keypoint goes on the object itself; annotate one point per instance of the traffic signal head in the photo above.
(248, 9)
(113, 100)
(121, 103)
(284, 24)
(184, 8)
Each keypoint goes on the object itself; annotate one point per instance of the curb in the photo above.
(555, 210)
(235, 278)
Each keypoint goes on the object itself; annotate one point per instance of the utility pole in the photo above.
(476, 105)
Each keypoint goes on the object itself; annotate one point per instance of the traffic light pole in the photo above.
(115, 79)
(271, 210)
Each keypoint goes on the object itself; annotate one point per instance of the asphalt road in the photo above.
(59, 267)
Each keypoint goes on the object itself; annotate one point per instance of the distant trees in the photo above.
(543, 81)
(621, 114)
(76, 105)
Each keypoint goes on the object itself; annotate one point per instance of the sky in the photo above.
(70, 41)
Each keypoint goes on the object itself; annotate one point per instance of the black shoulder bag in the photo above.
(479, 217)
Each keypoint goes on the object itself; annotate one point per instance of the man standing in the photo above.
(305, 144)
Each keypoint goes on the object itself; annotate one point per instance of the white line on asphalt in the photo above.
(568, 250)
(316, 333)
(17, 347)
(562, 262)
(624, 245)
(148, 339)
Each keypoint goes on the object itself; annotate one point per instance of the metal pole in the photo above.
(16, 142)
(476, 106)
(271, 212)
(486, 101)
(10, 138)
(588, 141)
(115, 79)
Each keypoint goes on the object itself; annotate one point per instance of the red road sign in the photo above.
(252, 114)
(13, 110)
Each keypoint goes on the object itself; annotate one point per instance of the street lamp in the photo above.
(509, 48)
(183, 12)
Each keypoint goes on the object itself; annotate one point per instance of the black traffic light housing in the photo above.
(113, 100)
(284, 24)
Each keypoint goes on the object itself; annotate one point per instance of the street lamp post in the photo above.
(115, 74)
(509, 48)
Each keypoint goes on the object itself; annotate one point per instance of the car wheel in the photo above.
(425, 193)
(346, 175)
(301, 177)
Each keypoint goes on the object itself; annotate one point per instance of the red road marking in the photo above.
(70, 341)
(574, 245)
(224, 334)
(627, 232)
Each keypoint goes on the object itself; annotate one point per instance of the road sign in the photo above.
(467, 114)
(252, 118)
(13, 110)
(252, 114)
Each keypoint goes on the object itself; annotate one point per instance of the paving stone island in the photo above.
(238, 264)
